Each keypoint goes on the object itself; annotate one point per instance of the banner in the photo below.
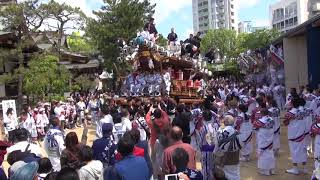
(6, 104)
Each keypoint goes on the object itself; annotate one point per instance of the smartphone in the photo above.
(171, 177)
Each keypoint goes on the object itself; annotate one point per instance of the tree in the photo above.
(23, 17)
(44, 76)
(78, 43)
(117, 19)
(65, 16)
(223, 39)
(162, 41)
(84, 83)
(260, 38)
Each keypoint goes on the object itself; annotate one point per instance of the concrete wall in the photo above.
(295, 61)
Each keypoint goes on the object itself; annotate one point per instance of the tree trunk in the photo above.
(20, 79)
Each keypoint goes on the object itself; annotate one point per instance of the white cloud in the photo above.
(247, 3)
(165, 8)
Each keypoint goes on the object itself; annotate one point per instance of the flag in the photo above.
(275, 57)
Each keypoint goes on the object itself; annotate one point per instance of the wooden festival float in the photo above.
(180, 69)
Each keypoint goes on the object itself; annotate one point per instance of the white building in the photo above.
(287, 14)
(214, 14)
(245, 27)
(314, 7)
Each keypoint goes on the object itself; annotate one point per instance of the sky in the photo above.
(178, 13)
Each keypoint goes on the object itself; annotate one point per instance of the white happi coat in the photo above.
(296, 134)
(54, 145)
(195, 124)
(278, 92)
(308, 123)
(315, 107)
(167, 81)
(265, 131)
(309, 97)
(275, 115)
(252, 105)
(315, 131)
(244, 127)
(230, 171)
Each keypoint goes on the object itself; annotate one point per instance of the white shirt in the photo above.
(33, 148)
(11, 123)
(106, 119)
(81, 105)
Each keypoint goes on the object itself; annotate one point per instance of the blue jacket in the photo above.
(129, 168)
(144, 145)
(104, 151)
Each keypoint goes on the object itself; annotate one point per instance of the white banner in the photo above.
(6, 104)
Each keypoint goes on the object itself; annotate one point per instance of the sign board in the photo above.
(6, 104)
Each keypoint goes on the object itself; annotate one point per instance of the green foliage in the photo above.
(231, 45)
(78, 43)
(117, 19)
(260, 38)
(162, 41)
(44, 76)
(23, 17)
(222, 39)
(83, 83)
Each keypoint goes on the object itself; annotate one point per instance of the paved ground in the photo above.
(248, 169)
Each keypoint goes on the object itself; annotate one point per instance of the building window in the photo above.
(232, 20)
(232, 6)
(295, 20)
(232, 13)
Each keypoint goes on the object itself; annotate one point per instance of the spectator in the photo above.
(10, 123)
(45, 167)
(54, 144)
(107, 118)
(172, 37)
(3, 146)
(92, 168)
(140, 124)
(26, 172)
(122, 126)
(67, 174)
(22, 144)
(135, 134)
(104, 148)
(137, 151)
(176, 138)
(126, 169)
(157, 121)
(182, 120)
(230, 145)
(70, 155)
(180, 159)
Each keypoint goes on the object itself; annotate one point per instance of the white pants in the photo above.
(276, 141)
(232, 172)
(298, 151)
(266, 160)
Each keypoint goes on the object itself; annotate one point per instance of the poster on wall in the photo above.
(6, 104)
